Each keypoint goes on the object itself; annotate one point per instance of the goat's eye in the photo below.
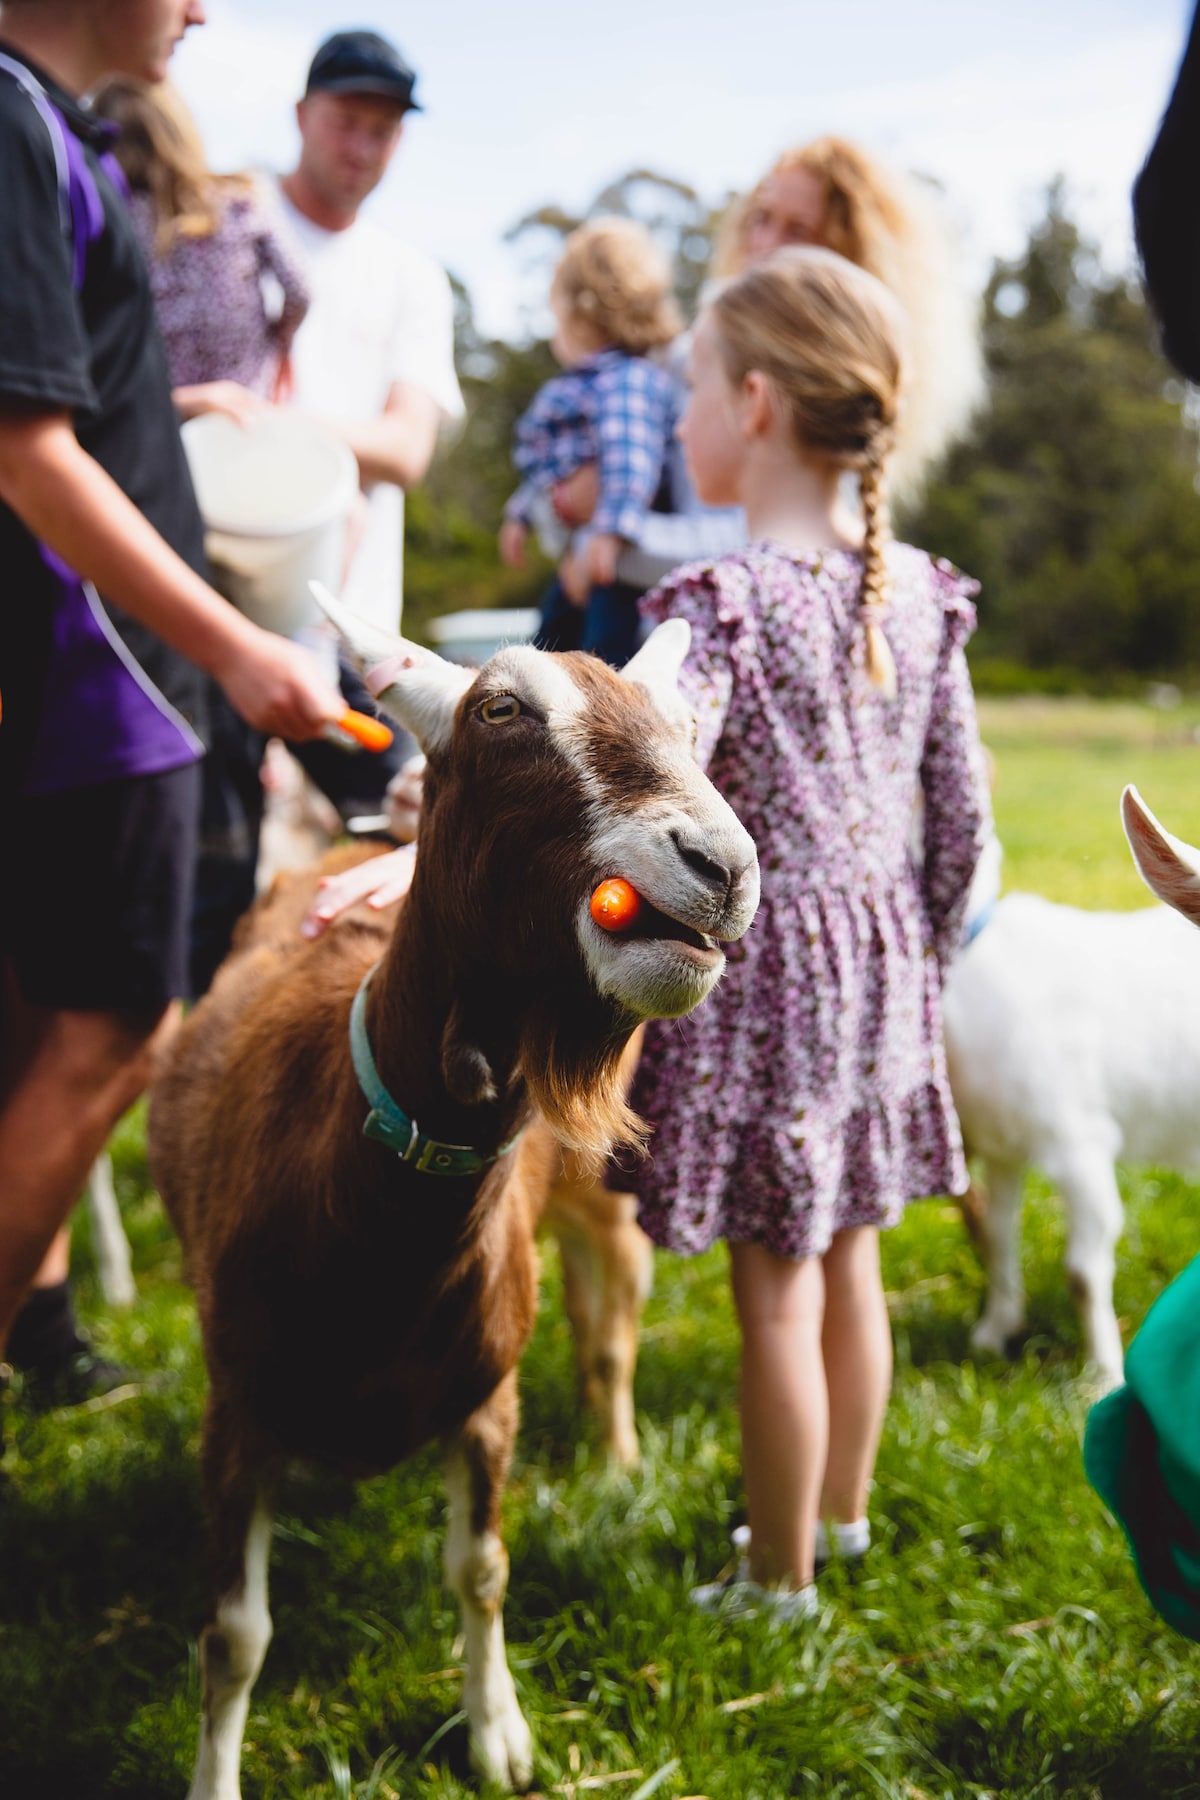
(500, 709)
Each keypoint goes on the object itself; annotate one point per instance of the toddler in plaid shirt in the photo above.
(612, 406)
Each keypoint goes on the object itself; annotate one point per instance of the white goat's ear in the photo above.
(423, 696)
(657, 664)
(417, 688)
(1168, 866)
(366, 643)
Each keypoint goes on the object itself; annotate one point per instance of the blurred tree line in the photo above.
(1073, 499)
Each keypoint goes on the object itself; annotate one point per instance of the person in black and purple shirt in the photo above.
(105, 624)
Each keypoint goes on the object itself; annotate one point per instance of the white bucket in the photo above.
(275, 496)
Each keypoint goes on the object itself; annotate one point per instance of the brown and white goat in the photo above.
(354, 1303)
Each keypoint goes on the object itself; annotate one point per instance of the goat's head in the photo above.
(553, 772)
(1167, 865)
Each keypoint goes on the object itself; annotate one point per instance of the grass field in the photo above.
(994, 1642)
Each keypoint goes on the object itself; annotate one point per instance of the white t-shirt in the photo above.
(381, 312)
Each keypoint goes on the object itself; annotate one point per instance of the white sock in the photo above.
(834, 1539)
(838, 1539)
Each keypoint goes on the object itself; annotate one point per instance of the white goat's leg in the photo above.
(109, 1242)
(233, 1643)
(1004, 1310)
(232, 1648)
(477, 1569)
(1094, 1221)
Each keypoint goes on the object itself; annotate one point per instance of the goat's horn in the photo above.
(371, 643)
(1166, 864)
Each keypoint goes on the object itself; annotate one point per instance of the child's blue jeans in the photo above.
(607, 623)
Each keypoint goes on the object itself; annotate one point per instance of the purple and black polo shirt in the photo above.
(89, 694)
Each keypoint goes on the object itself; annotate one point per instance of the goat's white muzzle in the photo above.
(697, 874)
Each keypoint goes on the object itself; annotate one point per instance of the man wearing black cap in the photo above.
(375, 355)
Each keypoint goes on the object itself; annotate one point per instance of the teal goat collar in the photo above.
(391, 1125)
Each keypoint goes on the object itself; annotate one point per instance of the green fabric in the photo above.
(1141, 1451)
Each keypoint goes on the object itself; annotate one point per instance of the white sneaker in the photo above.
(737, 1597)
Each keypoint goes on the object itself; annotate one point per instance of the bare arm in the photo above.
(958, 816)
(663, 540)
(68, 501)
(397, 445)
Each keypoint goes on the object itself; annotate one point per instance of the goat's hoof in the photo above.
(502, 1750)
(994, 1337)
(1101, 1378)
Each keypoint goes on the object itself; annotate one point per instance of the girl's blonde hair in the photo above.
(614, 280)
(162, 154)
(828, 337)
(892, 227)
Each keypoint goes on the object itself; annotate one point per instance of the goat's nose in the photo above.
(717, 874)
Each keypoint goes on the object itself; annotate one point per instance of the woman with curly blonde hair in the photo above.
(833, 194)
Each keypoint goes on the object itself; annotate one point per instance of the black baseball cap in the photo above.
(362, 62)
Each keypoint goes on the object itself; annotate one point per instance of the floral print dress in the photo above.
(808, 1093)
(213, 293)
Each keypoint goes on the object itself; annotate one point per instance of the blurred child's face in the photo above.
(789, 208)
(710, 429)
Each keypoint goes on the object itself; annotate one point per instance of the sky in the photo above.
(528, 102)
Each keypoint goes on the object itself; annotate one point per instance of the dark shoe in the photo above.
(83, 1376)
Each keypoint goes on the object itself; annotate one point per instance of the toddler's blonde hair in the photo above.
(894, 227)
(614, 280)
(828, 336)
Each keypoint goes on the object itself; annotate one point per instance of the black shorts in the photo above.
(96, 893)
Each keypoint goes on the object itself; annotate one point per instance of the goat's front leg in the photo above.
(477, 1463)
(1094, 1220)
(1004, 1310)
(113, 1263)
(239, 1492)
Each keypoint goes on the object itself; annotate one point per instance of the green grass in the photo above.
(994, 1643)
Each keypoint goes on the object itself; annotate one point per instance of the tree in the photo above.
(1073, 499)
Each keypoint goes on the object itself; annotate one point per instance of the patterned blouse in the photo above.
(808, 1093)
(229, 303)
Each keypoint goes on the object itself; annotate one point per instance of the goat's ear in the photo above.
(1167, 865)
(419, 690)
(657, 664)
(422, 691)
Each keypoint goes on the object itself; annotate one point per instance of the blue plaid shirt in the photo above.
(614, 409)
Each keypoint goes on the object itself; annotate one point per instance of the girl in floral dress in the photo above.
(229, 288)
(799, 1108)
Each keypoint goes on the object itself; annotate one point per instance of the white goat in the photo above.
(1073, 1040)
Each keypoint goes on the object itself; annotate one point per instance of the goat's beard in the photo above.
(577, 1083)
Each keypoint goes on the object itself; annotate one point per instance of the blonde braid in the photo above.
(873, 598)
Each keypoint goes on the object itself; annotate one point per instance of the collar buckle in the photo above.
(389, 1124)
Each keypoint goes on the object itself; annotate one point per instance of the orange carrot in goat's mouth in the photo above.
(616, 904)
